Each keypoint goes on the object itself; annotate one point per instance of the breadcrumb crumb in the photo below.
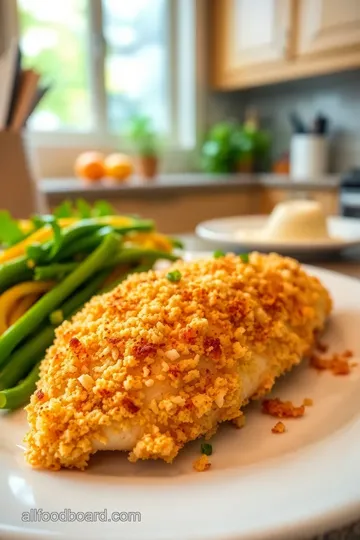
(282, 409)
(322, 347)
(172, 355)
(308, 402)
(202, 464)
(279, 428)
(86, 381)
(338, 363)
(240, 421)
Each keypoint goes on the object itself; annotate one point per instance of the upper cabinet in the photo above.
(248, 36)
(257, 42)
(328, 26)
(257, 31)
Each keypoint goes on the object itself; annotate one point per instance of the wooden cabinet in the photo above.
(270, 197)
(257, 31)
(258, 42)
(327, 26)
(250, 36)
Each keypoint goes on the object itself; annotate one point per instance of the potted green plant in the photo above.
(232, 147)
(217, 155)
(144, 141)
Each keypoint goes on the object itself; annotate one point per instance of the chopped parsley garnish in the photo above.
(218, 253)
(56, 317)
(244, 257)
(176, 243)
(174, 276)
(206, 449)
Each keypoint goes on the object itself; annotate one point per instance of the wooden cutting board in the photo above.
(18, 190)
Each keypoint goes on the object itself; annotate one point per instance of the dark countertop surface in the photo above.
(180, 183)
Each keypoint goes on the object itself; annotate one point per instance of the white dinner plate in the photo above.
(260, 486)
(244, 233)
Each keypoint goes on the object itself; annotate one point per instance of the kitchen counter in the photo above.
(179, 183)
(178, 202)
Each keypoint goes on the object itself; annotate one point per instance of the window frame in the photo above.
(187, 92)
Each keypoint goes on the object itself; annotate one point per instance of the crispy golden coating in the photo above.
(168, 361)
(202, 464)
(282, 409)
(278, 428)
(337, 363)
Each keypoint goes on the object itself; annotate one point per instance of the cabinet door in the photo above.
(328, 25)
(258, 31)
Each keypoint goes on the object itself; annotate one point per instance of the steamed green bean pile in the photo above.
(44, 282)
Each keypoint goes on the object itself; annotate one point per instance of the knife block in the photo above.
(18, 190)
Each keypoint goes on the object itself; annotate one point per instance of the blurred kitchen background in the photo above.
(181, 110)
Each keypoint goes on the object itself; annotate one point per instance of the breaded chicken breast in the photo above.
(164, 358)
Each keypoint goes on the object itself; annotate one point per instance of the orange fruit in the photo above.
(90, 166)
(118, 166)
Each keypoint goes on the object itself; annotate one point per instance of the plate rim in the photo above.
(314, 524)
(202, 231)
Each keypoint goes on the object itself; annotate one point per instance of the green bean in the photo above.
(84, 244)
(54, 298)
(74, 303)
(44, 253)
(82, 228)
(126, 255)
(37, 252)
(55, 271)
(129, 255)
(25, 357)
(13, 272)
(19, 395)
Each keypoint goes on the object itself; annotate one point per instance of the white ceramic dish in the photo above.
(243, 232)
(260, 486)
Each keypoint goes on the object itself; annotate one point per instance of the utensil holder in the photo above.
(308, 157)
(18, 190)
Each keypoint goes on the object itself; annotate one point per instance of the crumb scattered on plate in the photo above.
(322, 347)
(338, 363)
(279, 428)
(308, 402)
(202, 463)
(239, 422)
(282, 409)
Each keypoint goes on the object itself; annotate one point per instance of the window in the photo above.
(53, 41)
(108, 60)
(127, 54)
(136, 33)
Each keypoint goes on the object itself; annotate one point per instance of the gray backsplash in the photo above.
(337, 96)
